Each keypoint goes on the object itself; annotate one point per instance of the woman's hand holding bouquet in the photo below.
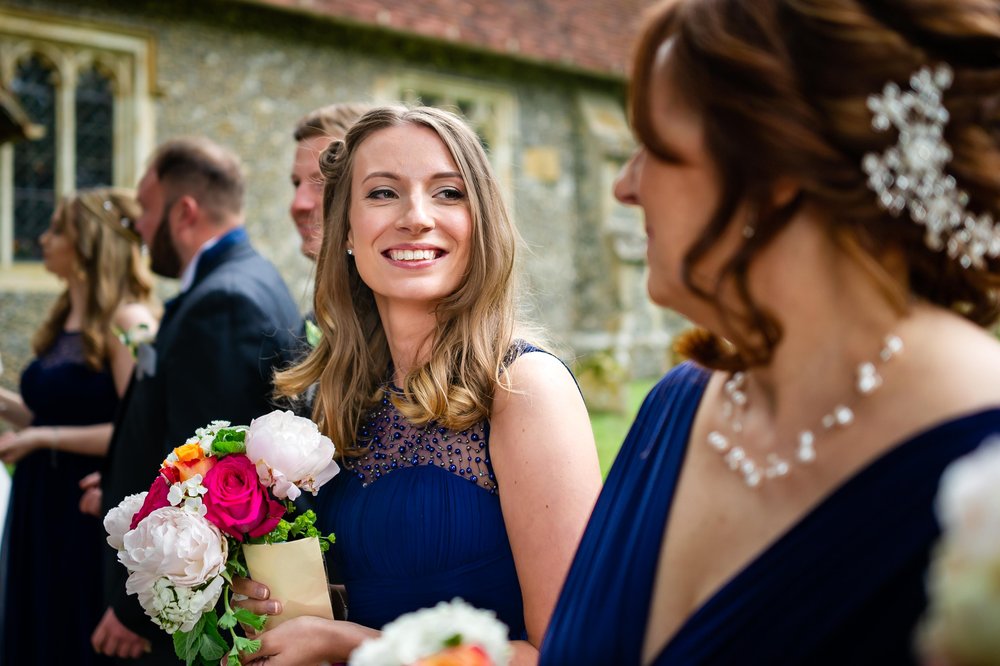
(182, 541)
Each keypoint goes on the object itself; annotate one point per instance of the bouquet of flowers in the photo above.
(962, 627)
(182, 541)
(449, 634)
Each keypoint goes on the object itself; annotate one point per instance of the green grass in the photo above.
(610, 428)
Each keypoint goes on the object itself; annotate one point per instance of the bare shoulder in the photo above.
(957, 363)
(536, 376)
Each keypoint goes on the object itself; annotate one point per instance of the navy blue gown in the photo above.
(845, 585)
(418, 521)
(53, 597)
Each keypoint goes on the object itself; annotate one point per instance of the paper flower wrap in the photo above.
(183, 539)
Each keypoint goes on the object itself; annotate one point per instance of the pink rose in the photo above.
(236, 501)
(157, 496)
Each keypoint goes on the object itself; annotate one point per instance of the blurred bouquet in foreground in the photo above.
(182, 541)
(962, 627)
(449, 634)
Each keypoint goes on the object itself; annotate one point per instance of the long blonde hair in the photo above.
(99, 223)
(475, 326)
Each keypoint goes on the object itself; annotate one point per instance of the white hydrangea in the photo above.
(187, 495)
(173, 607)
(118, 520)
(290, 453)
(423, 633)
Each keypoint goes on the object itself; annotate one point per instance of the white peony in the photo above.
(425, 632)
(962, 625)
(118, 520)
(173, 607)
(290, 453)
(969, 502)
(176, 544)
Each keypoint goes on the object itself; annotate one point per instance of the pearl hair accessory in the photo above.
(841, 416)
(910, 175)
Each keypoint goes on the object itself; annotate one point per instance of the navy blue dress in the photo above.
(845, 585)
(53, 596)
(418, 521)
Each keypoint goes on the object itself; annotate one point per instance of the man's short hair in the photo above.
(333, 120)
(203, 169)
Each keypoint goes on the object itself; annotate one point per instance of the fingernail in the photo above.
(273, 608)
(262, 592)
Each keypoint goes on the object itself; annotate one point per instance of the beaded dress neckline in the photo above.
(391, 443)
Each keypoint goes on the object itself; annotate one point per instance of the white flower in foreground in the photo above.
(290, 453)
(962, 625)
(119, 519)
(425, 632)
(173, 607)
(969, 502)
(175, 544)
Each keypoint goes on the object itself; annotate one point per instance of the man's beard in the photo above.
(163, 257)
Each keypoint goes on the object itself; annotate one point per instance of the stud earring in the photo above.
(350, 252)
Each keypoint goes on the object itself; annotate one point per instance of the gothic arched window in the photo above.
(34, 161)
(95, 108)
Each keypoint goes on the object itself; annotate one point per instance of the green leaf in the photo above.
(227, 621)
(313, 333)
(250, 618)
(181, 645)
(229, 441)
(213, 648)
(246, 645)
(186, 643)
(454, 641)
(234, 658)
(236, 568)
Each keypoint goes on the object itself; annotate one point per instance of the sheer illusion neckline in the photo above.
(827, 503)
(390, 443)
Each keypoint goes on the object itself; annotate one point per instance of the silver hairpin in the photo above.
(911, 174)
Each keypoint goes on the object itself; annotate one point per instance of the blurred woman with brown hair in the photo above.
(62, 421)
(820, 181)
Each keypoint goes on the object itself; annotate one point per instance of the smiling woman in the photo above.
(464, 446)
(410, 220)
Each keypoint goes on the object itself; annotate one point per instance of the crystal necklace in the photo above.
(775, 466)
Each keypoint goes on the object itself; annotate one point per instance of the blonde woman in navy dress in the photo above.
(469, 466)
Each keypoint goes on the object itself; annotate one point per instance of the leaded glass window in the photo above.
(34, 161)
(94, 130)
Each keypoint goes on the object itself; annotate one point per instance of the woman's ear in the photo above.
(784, 190)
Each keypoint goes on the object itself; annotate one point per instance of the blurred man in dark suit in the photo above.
(214, 355)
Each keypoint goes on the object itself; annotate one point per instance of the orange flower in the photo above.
(463, 655)
(191, 460)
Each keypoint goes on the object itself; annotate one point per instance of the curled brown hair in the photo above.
(781, 86)
(99, 222)
(475, 325)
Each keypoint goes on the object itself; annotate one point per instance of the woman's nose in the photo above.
(417, 217)
(625, 184)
